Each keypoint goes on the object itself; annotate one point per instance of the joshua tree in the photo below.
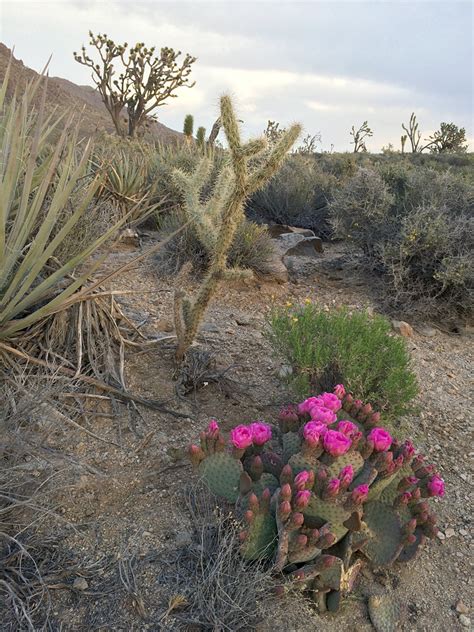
(359, 136)
(145, 82)
(201, 136)
(449, 139)
(403, 140)
(413, 134)
(188, 127)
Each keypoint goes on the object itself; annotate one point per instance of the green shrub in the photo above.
(252, 247)
(325, 348)
(297, 196)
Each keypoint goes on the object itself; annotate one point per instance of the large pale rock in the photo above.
(275, 230)
(298, 245)
(402, 328)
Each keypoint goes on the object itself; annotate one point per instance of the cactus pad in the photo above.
(352, 457)
(261, 538)
(321, 512)
(387, 539)
(384, 612)
(222, 474)
(291, 445)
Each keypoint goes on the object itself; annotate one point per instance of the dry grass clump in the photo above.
(218, 589)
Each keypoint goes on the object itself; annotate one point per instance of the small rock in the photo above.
(464, 621)
(440, 535)
(210, 328)
(129, 237)
(163, 324)
(461, 607)
(402, 328)
(285, 371)
(80, 584)
(426, 330)
(450, 532)
(463, 532)
(243, 321)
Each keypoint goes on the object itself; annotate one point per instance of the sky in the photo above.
(328, 65)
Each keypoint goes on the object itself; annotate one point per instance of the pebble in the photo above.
(463, 532)
(450, 532)
(464, 621)
(440, 535)
(461, 607)
(80, 584)
(402, 328)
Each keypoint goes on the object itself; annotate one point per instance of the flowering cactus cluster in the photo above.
(323, 492)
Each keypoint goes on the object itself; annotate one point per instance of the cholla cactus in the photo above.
(323, 492)
(217, 219)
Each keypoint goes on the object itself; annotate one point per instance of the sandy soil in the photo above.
(127, 516)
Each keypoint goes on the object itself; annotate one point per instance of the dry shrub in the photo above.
(221, 591)
(252, 247)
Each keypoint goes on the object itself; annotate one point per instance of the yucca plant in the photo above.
(37, 177)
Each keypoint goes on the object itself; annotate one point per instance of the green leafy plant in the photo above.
(326, 347)
(323, 493)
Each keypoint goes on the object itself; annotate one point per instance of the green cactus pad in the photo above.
(261, 539)
(380, 485)
(384, 612)
(272, 463)
(331, 577)
(384, 524)
(365, 477)
(299, 462)
(304, 555)
(221, 471)
(320, 512)
(352, 457)
(291, 445)
(266, 481)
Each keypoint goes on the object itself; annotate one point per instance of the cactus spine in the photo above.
(217, 220)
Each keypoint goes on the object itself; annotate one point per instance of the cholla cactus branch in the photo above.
(217, 219)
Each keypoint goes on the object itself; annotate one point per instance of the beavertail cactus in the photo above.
(322, 492)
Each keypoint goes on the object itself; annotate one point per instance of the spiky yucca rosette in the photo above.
(323, 492)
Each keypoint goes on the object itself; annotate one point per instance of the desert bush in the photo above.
(326, 347)
(322, 493)
(297, 196)
(361, 211)
(252, 247)
(430, 265)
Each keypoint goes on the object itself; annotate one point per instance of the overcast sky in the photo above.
(328, 65)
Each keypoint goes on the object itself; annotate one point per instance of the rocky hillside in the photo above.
(84, 100)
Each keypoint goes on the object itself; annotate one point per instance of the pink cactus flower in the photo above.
(347, 428)
(380, 439)
(324, 415)
(360, 493)
(241, 437)
(306, 406)
(312, 431)
(302, 498)
(333, 487)
(346, 475)
(436, 486)
(289, 414)
(301, 479)
(411, 480)
(330, 401)
(339, 391)
(336, 443)
(261, 433)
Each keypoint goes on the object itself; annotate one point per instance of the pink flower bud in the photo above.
(249, 516)
(301, 541)
(360, 493)
(212, 429)
(285, 492)
(286, 475)
(335, 443)
(312, 431)
(261, 433)
(339, 391)
(297, 519)
(374, 418)
(408, 449)
(301, 480)
(380, 439)
(405, 498)
(288, 414)
(346, 475)
(302, 498)
(347, 428)
(358, 403)
(333, 486)
(284, 509)
(323, 415)
(436, 486)
(241, 437)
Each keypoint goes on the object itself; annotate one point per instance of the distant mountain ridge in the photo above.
(65, 94)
